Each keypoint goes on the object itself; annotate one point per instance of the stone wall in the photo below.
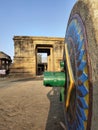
(25, 57)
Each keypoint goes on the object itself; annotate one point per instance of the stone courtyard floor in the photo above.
(25, 104)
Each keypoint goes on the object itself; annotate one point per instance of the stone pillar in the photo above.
(51, 59)
(49, 63)
(24, 59)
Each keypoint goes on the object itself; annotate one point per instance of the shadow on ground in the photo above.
(56, 112)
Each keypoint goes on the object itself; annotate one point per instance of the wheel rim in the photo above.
(79, 111)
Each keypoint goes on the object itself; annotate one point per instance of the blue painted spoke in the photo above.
(80, 44)
(78, 39)
(82, 102)
(83, 90)
(78, 126)
(82, 113)
(82, 65)
(81, 55)
(80, 121)
(83, 77)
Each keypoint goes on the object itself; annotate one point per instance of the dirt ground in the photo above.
(25, 104)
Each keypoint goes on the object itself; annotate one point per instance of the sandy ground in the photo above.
(25, 104)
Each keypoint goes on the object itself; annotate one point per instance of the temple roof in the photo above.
(4, 56)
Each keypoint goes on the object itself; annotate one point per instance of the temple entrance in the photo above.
(30, 51)
(43, 59)
(41, 63)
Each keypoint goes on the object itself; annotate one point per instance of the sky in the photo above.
(32, 18)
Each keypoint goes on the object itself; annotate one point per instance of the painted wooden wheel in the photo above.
(79, 112)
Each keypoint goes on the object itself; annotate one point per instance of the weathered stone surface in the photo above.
(26, 48)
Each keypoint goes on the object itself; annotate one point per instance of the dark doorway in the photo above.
(41, 63)
(42, 59)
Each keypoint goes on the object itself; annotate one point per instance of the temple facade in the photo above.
(26, 49)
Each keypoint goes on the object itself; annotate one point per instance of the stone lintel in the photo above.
(38, 38)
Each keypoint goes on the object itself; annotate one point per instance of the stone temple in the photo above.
(26, 49)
